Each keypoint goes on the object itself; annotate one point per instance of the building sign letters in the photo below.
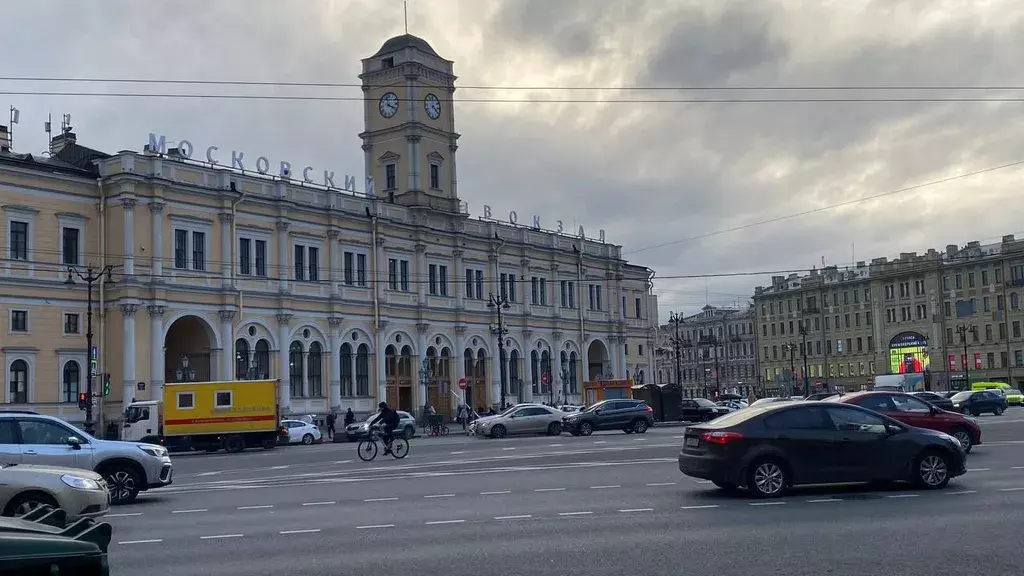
(513, 219)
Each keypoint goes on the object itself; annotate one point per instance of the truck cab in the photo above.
(142, 422)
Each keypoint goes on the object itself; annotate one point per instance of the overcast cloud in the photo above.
(646, 173)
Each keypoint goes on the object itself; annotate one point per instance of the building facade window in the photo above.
(363, 370)
(307, 263)
(435, 176)
(70, 381)
(72, 324)
(190, 247)
(18, 382)
(315, 370)
(354, 271)
(19, 237)
(390, 177)
(296, 370)
(346, 371)
(19, 321)
(70, 246)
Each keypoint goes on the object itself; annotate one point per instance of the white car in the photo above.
(300, 432)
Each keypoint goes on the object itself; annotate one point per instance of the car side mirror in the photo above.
(892, 429)
(75, 442)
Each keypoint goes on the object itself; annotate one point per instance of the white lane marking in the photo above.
(961, 492)
(662, 484)
(507, 449)
(188, 511)
(549, 490)
(458, 452)
(600, 441)
(259, 507)
(493, 492)
(281, 467)
(555, 445)
(574, 513)
(978, 469)
(219, 536)
(440, 496)
(142, 541)
(679, 437)
(214, 473)
(767, 503)
(380, 499)
(515, 517)
(124, 514)
(327, 503)
(309, 531)
(628, 510)
(343, 461)
(821, 500)
(902, 495)
(606, 487)
(1010, 489)
(700, 507)
(435, 522)
(1016, 467)
(372, 526)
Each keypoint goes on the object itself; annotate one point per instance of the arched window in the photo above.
(405, 364)
(573, 370)
(469, 363)
(315, 370)
(71, 381)
(262, 358)
(363, 370)
(295, 370)
(445, 365)
(513, 372)
(535, 371)
(545, 368)
(481, 364)
(390, 362)
(346, 370)
(241, 359)
(19, 382)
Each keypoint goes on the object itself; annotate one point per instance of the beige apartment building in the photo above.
(226, 269)
(951, 315)
(717, 351)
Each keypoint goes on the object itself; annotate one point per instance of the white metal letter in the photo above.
(513, 217)
(236, 160)
(158, 146)
(536, 222)
(209, 155)
(350, 183)
(286, 170)
(560, 228)
(262, 165)
(305, 174)
(487, 211)
(328, 179)
(185, 148)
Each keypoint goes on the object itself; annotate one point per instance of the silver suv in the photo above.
(128, 467)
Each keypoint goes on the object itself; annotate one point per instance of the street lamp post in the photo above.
(676, 319)
(499, 304)
(424, 380)
(792, 363)
(90, 277)
(805, 346)
(963, 329)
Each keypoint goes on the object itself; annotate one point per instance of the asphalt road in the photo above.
(606, 504)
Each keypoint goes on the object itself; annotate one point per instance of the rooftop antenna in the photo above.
(48, 128)
(405, 10)
(15, 115)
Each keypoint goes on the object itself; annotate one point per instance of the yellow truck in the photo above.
(209, 416)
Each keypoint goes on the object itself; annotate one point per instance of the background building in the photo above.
(348, 298)
(916, 313)
(717, 351)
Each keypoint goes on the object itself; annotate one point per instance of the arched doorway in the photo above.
(598, 365)
(439, 380)
(476, 378)
(398, 377)
(187, 348)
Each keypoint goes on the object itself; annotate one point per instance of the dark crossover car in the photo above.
(700, 410)
(977, 401)
(910, 410)
(626, 415)
(771, 448)
(937, 400)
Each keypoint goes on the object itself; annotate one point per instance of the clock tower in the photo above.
(409, 139)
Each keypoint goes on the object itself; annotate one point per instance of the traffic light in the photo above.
(83, 400)
(106, 384)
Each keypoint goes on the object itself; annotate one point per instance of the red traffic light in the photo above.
(83, 400)
(82, 397)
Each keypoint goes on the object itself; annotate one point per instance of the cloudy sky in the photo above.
(648, 173)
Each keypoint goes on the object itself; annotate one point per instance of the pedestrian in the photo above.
(349, 417)
(331, 417)
(463, 416)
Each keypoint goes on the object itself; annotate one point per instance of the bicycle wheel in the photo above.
(400, 448)
(367, 450)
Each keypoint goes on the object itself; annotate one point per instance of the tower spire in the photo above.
(405, 12)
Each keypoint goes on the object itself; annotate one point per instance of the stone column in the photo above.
(156, 210)
(382, 378)
(284, 389)
(335, 354)
(556, 286)
(528, 362)
(459, 274)
(227, 347)
(620, 356)
(422, 273)
(332, 258)
(460, 360)
(421, 344)
(128, 204)
(557, 384)
(156, 356)
(283, 267)
(226, 248)
(128, 356)
(525, 286)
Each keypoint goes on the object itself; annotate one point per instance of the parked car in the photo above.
(127, 467)
(301, 432)
(768, 449)
(520, 419)
(732, 405)
(626, 415)
(1014, 397)
(937, 400)
(976, 402)
(360, 430)
(821, 395)
(910, 410)
(80, 493)
(775, 400)
(700, 410)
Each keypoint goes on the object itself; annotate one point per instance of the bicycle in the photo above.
(368, 448)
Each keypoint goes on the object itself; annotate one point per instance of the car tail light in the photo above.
(649, 410)
(721, 437)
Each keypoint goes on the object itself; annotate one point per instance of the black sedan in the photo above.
(772, 448)
(937, 400)
(975, 402)
(700, 410)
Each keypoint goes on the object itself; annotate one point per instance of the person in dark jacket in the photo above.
(389, 420)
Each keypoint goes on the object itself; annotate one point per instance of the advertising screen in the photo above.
(908, 353)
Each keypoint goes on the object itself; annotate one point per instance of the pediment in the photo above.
(435, 158)
(388, 158)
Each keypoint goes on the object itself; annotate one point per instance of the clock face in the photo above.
(388, 105)
(432, 106)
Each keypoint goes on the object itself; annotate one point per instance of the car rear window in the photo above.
(737, 417)
(961, 396)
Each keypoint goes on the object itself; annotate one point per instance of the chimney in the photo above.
(5, 139)
(951, 250)
(62, 141)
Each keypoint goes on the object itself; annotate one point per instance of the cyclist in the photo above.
(390, 419)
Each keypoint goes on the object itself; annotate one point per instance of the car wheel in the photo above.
(586, 428)
(498, 431)
(640, 426)
(25, 503)
(307, 439)
(122, 482)
(408, 432)
(975, 413)
(964, 437)
(554, 429)
(768, 478)
(998, 411)
(932, 470)
(234, 444)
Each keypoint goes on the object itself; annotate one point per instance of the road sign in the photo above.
(462, 384)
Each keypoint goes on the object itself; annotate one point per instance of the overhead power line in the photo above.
(826, 208)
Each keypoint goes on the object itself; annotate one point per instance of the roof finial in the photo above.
(405, 10)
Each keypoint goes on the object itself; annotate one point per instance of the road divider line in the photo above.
(436, 522)
(1016, 467)
(1011, 489)
(328, 503)
(961, 492)
(457, 452)
(189, 511)
(902, 495)
(628, 510)
(493, 492)
(123, 514)
(978, 469)
(281, 467)
(373, 526)
(440, 496)
(767, 503)
(220, 536)
(822, 500)
(700, 507)
(606, 487)
(309, 531)
(258, 507)
(514, 517)
(380, 499)
(343, 461)
(507, 449)
(600, 441)
(661, 484)
(574, 513)
(153, 541)
(555, 445)
(549, 490)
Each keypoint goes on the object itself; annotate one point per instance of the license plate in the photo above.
(692, 441)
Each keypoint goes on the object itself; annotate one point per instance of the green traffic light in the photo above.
(106, 384)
